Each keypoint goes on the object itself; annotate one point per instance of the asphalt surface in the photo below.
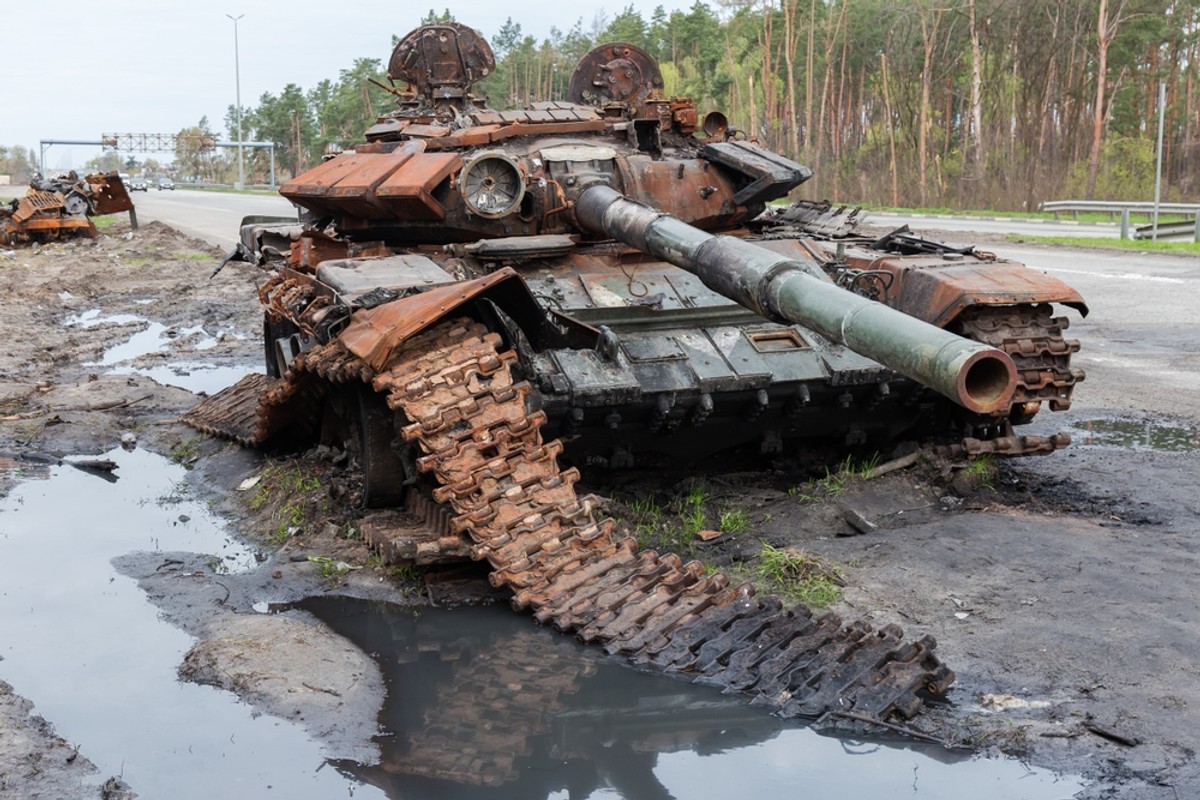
(998, 224)
(211, 215)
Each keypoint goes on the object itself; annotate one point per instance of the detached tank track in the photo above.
(483, 444)
(1034, 340)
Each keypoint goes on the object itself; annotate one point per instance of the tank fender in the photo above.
(937, 292)
(375, 334)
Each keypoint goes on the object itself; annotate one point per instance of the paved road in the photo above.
(1001, 225)
(1141, 343)
(208, 215)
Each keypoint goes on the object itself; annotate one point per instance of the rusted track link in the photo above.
(482, 442)
(1034, 340)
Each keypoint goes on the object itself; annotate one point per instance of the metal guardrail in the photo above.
(1168, 231)
(1116, 206)
(1124, 208)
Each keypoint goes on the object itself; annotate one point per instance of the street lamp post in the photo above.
(237, 76)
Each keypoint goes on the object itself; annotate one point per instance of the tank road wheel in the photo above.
(372, 431)
(273, 332)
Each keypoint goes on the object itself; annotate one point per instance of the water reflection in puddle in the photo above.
(1137, 435)
(196, 377)
(89, 650)
(483, 704)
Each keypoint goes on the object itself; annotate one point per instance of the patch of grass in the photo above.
(733, 520)
(104, 222)
(647, 519)
(330, 570)
(799, 576)
(673, 524)
(294, 494)
(692, 511)
(291, 521)
(187, 451)
(982, 466)
(1111, 244)
(832, 485)
(835, 481)
(282, 479)
(670, 529)
(982, 471)
(408, 578)
(137, 261)
(402, 573)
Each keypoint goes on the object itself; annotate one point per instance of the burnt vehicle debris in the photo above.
(470, 283)
(63, 206)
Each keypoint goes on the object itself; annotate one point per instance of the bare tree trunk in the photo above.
(1047, 115)
(1103, 34)
(808, 77)
(1187, 182)
(753, 113)
(789, 56)
(928, 38)
(973, 174)
(839, 123)
(891, 129)
(767, 78)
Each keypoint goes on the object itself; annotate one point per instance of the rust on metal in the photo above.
(374, 334)
(639, 329)
(505, 491)
(63, 206)
(937, 290)
(408, 192)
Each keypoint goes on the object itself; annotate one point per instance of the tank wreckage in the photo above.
(63, 206)
(473, 294)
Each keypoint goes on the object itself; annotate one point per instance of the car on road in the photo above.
(137, 184)
(166, 183)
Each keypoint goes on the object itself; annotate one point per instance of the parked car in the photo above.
(166, 183)
(137, 184)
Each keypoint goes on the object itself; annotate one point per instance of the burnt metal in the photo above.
(601, 279)
(63, 206)
(976, 376)
(520, 510)
(441, 61)
(615, 73)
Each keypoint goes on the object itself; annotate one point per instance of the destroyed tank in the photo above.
(608, 271)
(63, 206)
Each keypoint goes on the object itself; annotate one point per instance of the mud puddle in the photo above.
(481, 703)
(93, 655)
(128, 358)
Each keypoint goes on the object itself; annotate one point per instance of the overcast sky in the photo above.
(76, 69)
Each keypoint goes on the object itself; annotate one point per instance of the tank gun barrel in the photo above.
(978, 377)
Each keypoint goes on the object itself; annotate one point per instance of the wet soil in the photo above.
(1062, 590)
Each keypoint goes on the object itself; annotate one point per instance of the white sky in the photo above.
(76, 69)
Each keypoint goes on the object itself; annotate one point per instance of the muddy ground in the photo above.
(1062, 590)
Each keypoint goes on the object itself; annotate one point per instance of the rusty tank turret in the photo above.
(607, 272)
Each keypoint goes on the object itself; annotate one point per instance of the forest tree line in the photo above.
(920, 103)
